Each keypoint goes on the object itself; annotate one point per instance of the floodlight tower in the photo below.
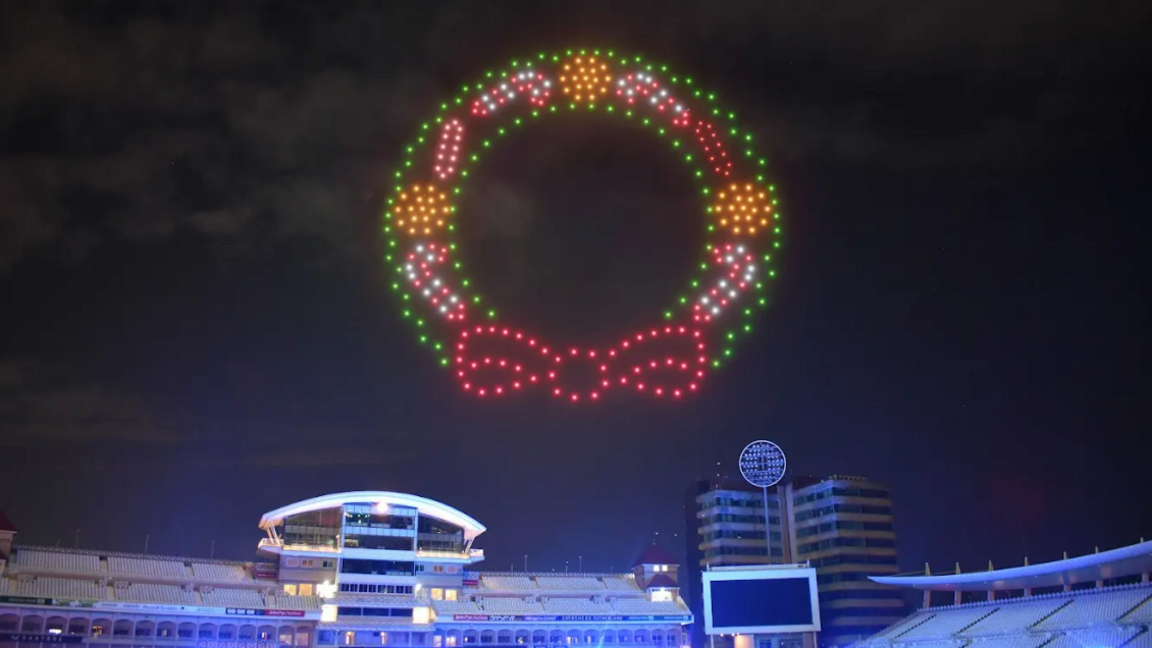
(762, 463)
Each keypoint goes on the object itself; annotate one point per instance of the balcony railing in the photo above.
(270, 543)
(457, 555)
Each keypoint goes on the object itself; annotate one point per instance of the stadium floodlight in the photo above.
(762, 463)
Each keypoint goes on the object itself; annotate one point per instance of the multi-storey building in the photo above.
(842, 526)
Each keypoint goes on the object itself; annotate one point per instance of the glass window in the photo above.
(449, 595)
(437, 594)
(305, 589)
(290, 588)
(349, 638)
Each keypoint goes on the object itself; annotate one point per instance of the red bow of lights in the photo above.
(663, 362)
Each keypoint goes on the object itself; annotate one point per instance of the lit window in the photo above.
(306, 589)
(437, 594)
(349, 638)
(383, 638)
(449, 595)
(290, 588)
(437, 641)
(450, 641)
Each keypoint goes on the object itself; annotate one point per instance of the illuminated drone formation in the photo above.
(669, 360)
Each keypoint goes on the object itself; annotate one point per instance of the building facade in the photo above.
(357, 569)
(842, 526)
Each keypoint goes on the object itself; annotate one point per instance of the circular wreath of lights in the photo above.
(671, 358)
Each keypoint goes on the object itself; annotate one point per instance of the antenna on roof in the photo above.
(147, 537)
(212, 549)
(77, 545)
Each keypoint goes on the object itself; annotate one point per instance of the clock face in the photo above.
(762, 463)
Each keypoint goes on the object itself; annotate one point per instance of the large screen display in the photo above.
(759, 600)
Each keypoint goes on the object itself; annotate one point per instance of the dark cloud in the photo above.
(38, 401)
(139, 120)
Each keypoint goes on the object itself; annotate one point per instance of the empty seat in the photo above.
(947, 622)
(577, 606)
(220, 572)
(152, 593)
(502, 605)
(156, 567)
(225, 597)
(572, 583)
(644, 606)
(1142, 613)
(903, 625)
(1089, 607)
(44, 587)
(60, 561)
(1091, 637)
(1010, 616)
(506, 582)
(621, 584)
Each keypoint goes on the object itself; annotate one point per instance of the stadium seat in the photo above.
(57, 561)
(574, 583)
(509, 605)
(156, 567)
(44, 587)
(151, 593)
(220, 572)
(507, 583)
(225, 597)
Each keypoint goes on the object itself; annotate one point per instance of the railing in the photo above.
(460, 555)
(268, 542)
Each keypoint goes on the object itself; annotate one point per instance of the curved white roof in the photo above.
(425, 506)
(1114, 563)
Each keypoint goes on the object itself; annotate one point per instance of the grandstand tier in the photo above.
(152, 593)
(353, 570)
(227, 597)
(1095, 617)
(57, 561)
(120, 565)
(577, 606)
(506, 583)
(222, 572)
(508, 605)
(574, 583)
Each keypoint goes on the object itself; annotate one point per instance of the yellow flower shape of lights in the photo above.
(422, 209)
(585, 78)
(742, 208)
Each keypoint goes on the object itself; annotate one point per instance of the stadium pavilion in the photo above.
(1101, 600)
(350, 569)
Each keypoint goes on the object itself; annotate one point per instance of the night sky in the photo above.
(196, 325)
